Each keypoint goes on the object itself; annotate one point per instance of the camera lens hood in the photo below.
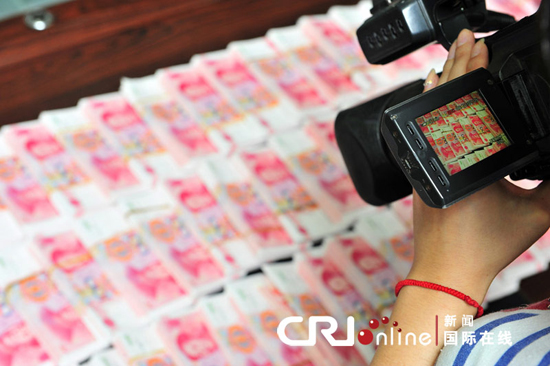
(375, 174)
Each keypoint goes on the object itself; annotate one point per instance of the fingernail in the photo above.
(452, 51)
(429, 83)
(478, 47)
(463, 37)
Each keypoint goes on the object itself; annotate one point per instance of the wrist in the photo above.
(474, 285)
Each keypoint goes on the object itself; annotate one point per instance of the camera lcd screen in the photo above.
(463, 132)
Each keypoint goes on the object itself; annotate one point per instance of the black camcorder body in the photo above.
(461, 136)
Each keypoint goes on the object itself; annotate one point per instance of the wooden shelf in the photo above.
(93, 43)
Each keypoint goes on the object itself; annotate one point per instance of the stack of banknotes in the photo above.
(131, 222)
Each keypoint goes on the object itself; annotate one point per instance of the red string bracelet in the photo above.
(437, 287)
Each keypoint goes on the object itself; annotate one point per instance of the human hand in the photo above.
(466, 245)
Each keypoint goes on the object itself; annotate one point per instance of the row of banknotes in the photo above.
(120, 217)
(133, 301)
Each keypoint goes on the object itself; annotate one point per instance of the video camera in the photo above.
(465, 134)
